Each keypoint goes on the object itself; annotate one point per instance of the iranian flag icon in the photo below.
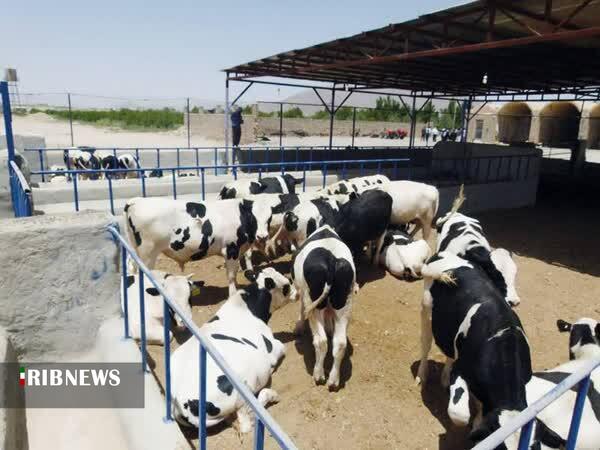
(22, 376)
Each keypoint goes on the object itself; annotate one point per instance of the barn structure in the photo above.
(540, 56)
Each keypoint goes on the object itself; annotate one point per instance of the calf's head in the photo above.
(181, 289)
(584, 339)
(268, 291)
(291, 182)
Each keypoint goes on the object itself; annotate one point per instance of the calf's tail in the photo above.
(317, 302)
(456, 205)
(431, 270)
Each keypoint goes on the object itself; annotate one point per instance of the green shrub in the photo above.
(163, 119)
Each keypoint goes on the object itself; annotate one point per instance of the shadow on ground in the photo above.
(435, 399)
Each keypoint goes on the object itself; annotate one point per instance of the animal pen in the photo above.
(476, 53)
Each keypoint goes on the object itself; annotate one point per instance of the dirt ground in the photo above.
(378, 405)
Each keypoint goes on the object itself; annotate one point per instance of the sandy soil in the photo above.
(379, 406)
(57, 134)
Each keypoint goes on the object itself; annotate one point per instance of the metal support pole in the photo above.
(70, 119)
(280, 125)
(466, 112)
(413, 123)
(227, 120)
(189, 137)
(10, 143)
(353, 124)
(331, 117)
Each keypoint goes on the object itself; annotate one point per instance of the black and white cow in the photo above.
(77, 159)
(401, 255)
(364, 219)
(413, 203)
(58, 175)
(190, 231)
(240, 331)
(357, 185)
(463, 236)
(127, 161)
(552, 424)
(325, 278)
(279, 184)
(306, 216)
(179, 289)
(486, 347)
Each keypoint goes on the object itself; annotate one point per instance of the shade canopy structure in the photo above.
(486, 50)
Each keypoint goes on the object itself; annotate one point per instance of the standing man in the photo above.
(236, 125)
(236, 131)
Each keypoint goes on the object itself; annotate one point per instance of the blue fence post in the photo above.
(197, 163)
(167, 338)
(158, 158)
(142, 292)
(142, 174)
(41, 156)
(174, 184)
(110, 195)
(526, 435)
(75, 193)
(362, 168)
(234, 170)
(216, 158)
(124, 285)
(202, 400)
(582, 391)
(259, 434)
(203, 186)
(324, 174)
(304, 177)
(178, 160)
(6, 112)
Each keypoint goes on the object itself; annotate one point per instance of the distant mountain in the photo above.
(306, 98)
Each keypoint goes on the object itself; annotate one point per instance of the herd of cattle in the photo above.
(467, 305)
(91, 161)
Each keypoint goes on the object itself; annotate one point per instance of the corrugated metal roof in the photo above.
(522, 46)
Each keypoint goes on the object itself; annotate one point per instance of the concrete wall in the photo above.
(59, 280)
(22, 142)
(211, 126)
(13, 422)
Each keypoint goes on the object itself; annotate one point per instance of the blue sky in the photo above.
(149, 48)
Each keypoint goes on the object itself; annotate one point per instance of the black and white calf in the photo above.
(483, 339)
(325, 278)
(463, 236)
(364, 219)
(77, 159)
(179, 289)
(190, 231)
(413, 203)
(402, 256)
(552, 424)
(357, 185)
(279, 184)
(240, 331)
(308, 215)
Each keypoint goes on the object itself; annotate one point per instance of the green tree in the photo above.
(292, 113)
(450, 117)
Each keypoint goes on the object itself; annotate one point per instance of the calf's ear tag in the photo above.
(195, 291)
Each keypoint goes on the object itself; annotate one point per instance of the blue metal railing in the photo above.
(392, 165)
(20, 192)
(263, 418)
(210, 153)
(526, 418)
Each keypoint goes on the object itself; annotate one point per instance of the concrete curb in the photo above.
(144, 429)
